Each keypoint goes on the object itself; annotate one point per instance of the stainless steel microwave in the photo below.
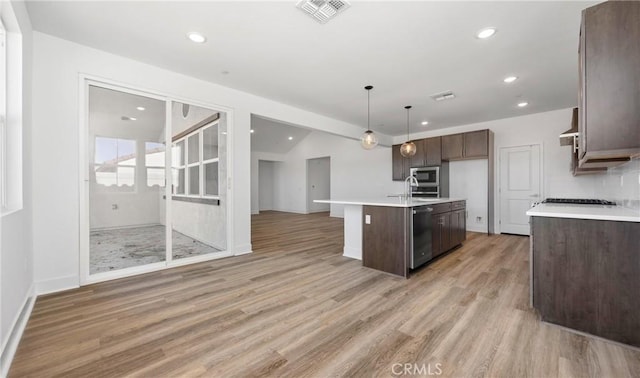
(426, 176)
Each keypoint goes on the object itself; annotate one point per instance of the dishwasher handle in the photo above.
(423, 210)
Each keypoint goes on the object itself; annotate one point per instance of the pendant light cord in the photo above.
(408, 107)
(368, 108)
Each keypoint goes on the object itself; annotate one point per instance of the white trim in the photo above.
(84, 270)
(293, 211)
(352, 253)
(16, 331)
(57, 284)
(201, 258)
(168, 187)
(243, 250)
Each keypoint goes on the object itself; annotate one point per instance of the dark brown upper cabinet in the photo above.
(452, 147)
(609, 68)
(476, 144)
(419, 159)
(471, 145)
(433, 151)
(399, 164)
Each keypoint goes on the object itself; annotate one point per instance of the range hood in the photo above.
(567, 138)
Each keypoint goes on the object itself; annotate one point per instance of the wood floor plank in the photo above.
(296, 307)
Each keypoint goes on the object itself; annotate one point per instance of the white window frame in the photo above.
(3, 117)
(200, 163)
(147, 167)
(124, 188)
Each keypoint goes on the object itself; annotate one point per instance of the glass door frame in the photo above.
(84, 186)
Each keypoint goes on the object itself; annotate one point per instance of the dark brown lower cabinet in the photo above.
(458, 226)
(387, 238)
(440, 233)
(586, 276)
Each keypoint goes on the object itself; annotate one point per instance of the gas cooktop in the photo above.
(580, 201)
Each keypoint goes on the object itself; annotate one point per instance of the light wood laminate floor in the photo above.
(297, 308)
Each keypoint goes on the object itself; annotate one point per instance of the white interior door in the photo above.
(318, 183)
(520, 186)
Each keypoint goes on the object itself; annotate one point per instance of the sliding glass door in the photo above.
(141, 151)
(198, 202)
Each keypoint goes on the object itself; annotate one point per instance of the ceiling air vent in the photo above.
(448, 95)
(323, 10)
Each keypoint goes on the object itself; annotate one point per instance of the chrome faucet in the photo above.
(409, 182)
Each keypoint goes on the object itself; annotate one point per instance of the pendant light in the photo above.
(368, 140)
(408, 148)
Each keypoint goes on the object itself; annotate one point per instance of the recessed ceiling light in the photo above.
(510, 79)
(197, 37)
(132, 118)
(224, 133)
(141, 108)
(290, 138)
(486, 33)
(251, 131)
(425, 123)
(523, 104)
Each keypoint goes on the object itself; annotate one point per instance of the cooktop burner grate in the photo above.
(579, 201)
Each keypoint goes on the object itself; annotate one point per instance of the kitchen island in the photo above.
(395, 235)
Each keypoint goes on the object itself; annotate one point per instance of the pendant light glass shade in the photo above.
(408, 148)
(369, 139)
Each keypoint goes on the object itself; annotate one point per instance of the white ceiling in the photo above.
(107, 107)
(273, 137)
(406, 50)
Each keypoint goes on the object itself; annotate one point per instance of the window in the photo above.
(3, 116)
(11, 111)
(154, 163)
(115, 162)
(195, 163)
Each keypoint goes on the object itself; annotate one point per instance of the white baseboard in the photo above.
(291, 211)
(15, 332)
(242, 250)
(57, 284)
(481, 228)
(352, 253)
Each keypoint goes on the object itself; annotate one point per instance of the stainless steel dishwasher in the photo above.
(421, 236)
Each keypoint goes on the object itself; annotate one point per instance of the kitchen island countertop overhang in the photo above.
(354, 220)
(391, 201)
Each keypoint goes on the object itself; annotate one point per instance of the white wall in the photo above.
(543, 129)
(16, 252)
(57, 65)
(266, 184)
(468, 179)
(355, 172)
(622, 185)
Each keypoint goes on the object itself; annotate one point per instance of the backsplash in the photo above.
(622, 184)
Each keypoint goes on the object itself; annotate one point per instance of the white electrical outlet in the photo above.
(367, 219)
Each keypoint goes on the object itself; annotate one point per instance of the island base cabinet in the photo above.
(586, 276)
(386, 239)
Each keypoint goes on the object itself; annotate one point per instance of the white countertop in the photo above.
(390, 201)
(596, 212)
